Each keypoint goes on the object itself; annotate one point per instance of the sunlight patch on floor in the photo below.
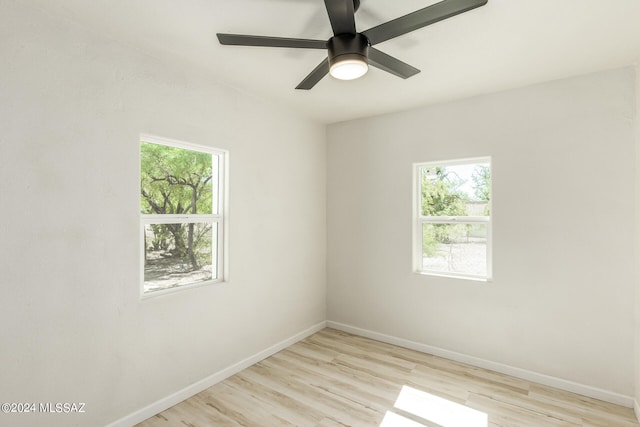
(391, 419)
(433, 409)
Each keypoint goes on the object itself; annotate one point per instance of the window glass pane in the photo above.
(175, 181)
(455, 248)
(455, 190)
(179, 254)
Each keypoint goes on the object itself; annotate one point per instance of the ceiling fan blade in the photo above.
(341, 15)
(420, 18)
(315, 76)
(245, 40)
(390, 64)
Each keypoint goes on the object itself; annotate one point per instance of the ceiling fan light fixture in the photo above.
(349, 69)
(348, 56)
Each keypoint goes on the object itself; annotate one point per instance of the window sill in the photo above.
(455, 276)
(168, 291)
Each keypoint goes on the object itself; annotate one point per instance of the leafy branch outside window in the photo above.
(176, 181)
(442, 195)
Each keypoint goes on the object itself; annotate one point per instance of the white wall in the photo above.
(563, 211)
(72, 105)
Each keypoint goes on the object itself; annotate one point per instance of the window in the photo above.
(182, 206)
(452, 224)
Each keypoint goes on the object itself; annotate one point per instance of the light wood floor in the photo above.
(336, 379)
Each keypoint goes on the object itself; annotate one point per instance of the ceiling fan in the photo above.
(350, 53)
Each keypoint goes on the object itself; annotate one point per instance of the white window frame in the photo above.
(220, 218)
(419, 220)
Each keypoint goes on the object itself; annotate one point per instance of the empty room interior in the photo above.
(320, 213)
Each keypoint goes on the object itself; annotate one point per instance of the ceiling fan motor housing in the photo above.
(348, 46)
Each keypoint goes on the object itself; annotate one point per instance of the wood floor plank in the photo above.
(306, 394)
(231, 401)
(471, 382)
(523, 402)
(379, 354)
(335, 379)
(475, 374)
(505, 414)
(359, 387)
(545, 393)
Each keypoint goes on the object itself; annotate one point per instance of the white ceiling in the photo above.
(502, 45)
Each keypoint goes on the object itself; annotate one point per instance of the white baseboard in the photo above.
(585, 390)
(636, 408)
(193, 389)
